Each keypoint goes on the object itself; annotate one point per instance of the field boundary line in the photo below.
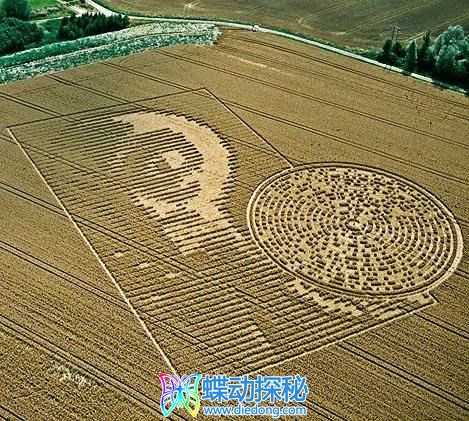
(59, 353)
(10, 413)
(280, 154)
(114, 281)
(108, 12)
(404, 374)
(315, 99)
(345, 141)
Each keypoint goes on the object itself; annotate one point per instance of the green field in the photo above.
(40, 4)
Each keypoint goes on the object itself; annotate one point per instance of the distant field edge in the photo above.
(68, 54)
(352, 52)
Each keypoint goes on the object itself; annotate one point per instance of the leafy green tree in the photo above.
(16, 35)
(425, 57)
(411, 56)
(90, 24)
(451, 51)
(387, 55)
(453, 35)
(445, 62)
(465, 72)
(398, 50)
(19, 9)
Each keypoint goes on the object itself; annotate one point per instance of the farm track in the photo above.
(103, 94)
(400, 12)
(386, 365)
(9, 413)
(335, 65)
(350, 86)
(95, 91)
(56, 271)
(463, 273)
(441, 25)
(347, 142)
(29, 105)
(80, 364)
(326, 10)
(444, 325)
(310, 129)
(313, 98)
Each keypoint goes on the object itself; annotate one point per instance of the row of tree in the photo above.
(446, 58)
(19, 9)
(17, 35)
(74, 27)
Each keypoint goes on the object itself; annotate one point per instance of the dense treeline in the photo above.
(19, 9)
(74, 27)
(446, 58)
(16, 35)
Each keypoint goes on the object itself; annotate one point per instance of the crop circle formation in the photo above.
(355, 230)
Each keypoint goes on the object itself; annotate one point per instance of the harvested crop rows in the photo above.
(168, 181)
(356, 23)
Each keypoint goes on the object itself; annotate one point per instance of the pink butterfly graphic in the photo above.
(179, 392)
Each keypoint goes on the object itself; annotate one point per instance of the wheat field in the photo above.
(252, 206)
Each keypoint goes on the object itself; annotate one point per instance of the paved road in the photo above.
(108, 12)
